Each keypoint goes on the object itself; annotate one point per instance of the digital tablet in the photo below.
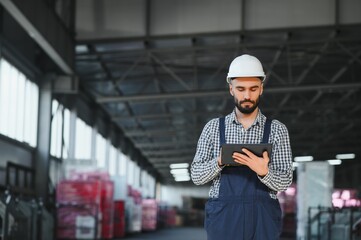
(257, 149)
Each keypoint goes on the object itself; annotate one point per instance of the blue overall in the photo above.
(244, 209)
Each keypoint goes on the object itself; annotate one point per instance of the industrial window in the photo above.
(136, 176)
(130, 173)
(148, 185)
(19, 99)
(60, 120)
(66, 133)
(113, 158)
(151, 187)
(83, 136)
(101, 147)
(56, 173)
(122, 166)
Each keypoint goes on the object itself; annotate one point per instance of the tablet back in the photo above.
(257, 149)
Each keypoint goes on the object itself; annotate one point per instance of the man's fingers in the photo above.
(265, 156)
(247, 152)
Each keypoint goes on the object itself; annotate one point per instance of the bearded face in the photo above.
(246, 92)
(248, 105)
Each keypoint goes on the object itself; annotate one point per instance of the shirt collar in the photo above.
(260, 119)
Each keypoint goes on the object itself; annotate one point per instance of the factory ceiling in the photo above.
(158, 68)
(161, 90)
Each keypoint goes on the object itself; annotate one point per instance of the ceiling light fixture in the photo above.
(179, 165)
(346, 156)
(182, 179)
(334, 161)
(179, 171)
(303, 159)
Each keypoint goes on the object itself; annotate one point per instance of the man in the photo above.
(243, 202)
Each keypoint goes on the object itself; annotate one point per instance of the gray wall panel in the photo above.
(126, 18)
(350, 11)
(189, 16)
(110, 18)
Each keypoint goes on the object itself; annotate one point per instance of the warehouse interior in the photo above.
(100, 100)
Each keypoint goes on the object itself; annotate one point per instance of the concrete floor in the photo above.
(176, 233)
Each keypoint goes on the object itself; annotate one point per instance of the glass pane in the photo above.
(34, 114)
(20, 108)
(56, 128)
(82, 140)
(5, 90)
(112, 160)
(100, 151)
(66, 133)
(18, 105)
(130, 173)
(27, 122)
(13, 100)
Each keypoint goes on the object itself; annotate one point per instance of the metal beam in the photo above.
(344, 100)
(288, 89)
(314, 61)
(38, 37)
(158, 132)
(171, 155)
(159, 145)
(170, 159)
(219, 33)
(348, 52)
(276, 58)
(169, 115)
(170, 71)
(169, 151)
(172, 131)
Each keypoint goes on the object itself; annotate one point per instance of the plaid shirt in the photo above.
(205, 168)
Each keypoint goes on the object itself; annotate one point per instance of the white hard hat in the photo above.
(245, 66)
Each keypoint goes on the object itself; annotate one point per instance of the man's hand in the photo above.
(258, 164)
(219, 160)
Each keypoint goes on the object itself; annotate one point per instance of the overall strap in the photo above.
(222, 131)
(267, 130)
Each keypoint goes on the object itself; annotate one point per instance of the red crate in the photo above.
(77, 221)
(119, 219)
(78, 206)
(149, 214)
(79, 191)
(105, 199)
(107, 208)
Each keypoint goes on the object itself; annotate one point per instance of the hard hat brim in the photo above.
(229, 79)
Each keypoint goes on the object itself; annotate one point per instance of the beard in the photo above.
(247, 109)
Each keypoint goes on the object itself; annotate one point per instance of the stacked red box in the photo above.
(106, 199)
(149, 214)
(167, 215)
(119, 219)
(78, 191)
(78, 209)
(171, 217)
(101, 175)
(107, 209)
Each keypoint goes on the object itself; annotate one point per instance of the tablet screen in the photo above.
(257, 149)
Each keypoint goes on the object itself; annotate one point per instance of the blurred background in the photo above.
(102, 104)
